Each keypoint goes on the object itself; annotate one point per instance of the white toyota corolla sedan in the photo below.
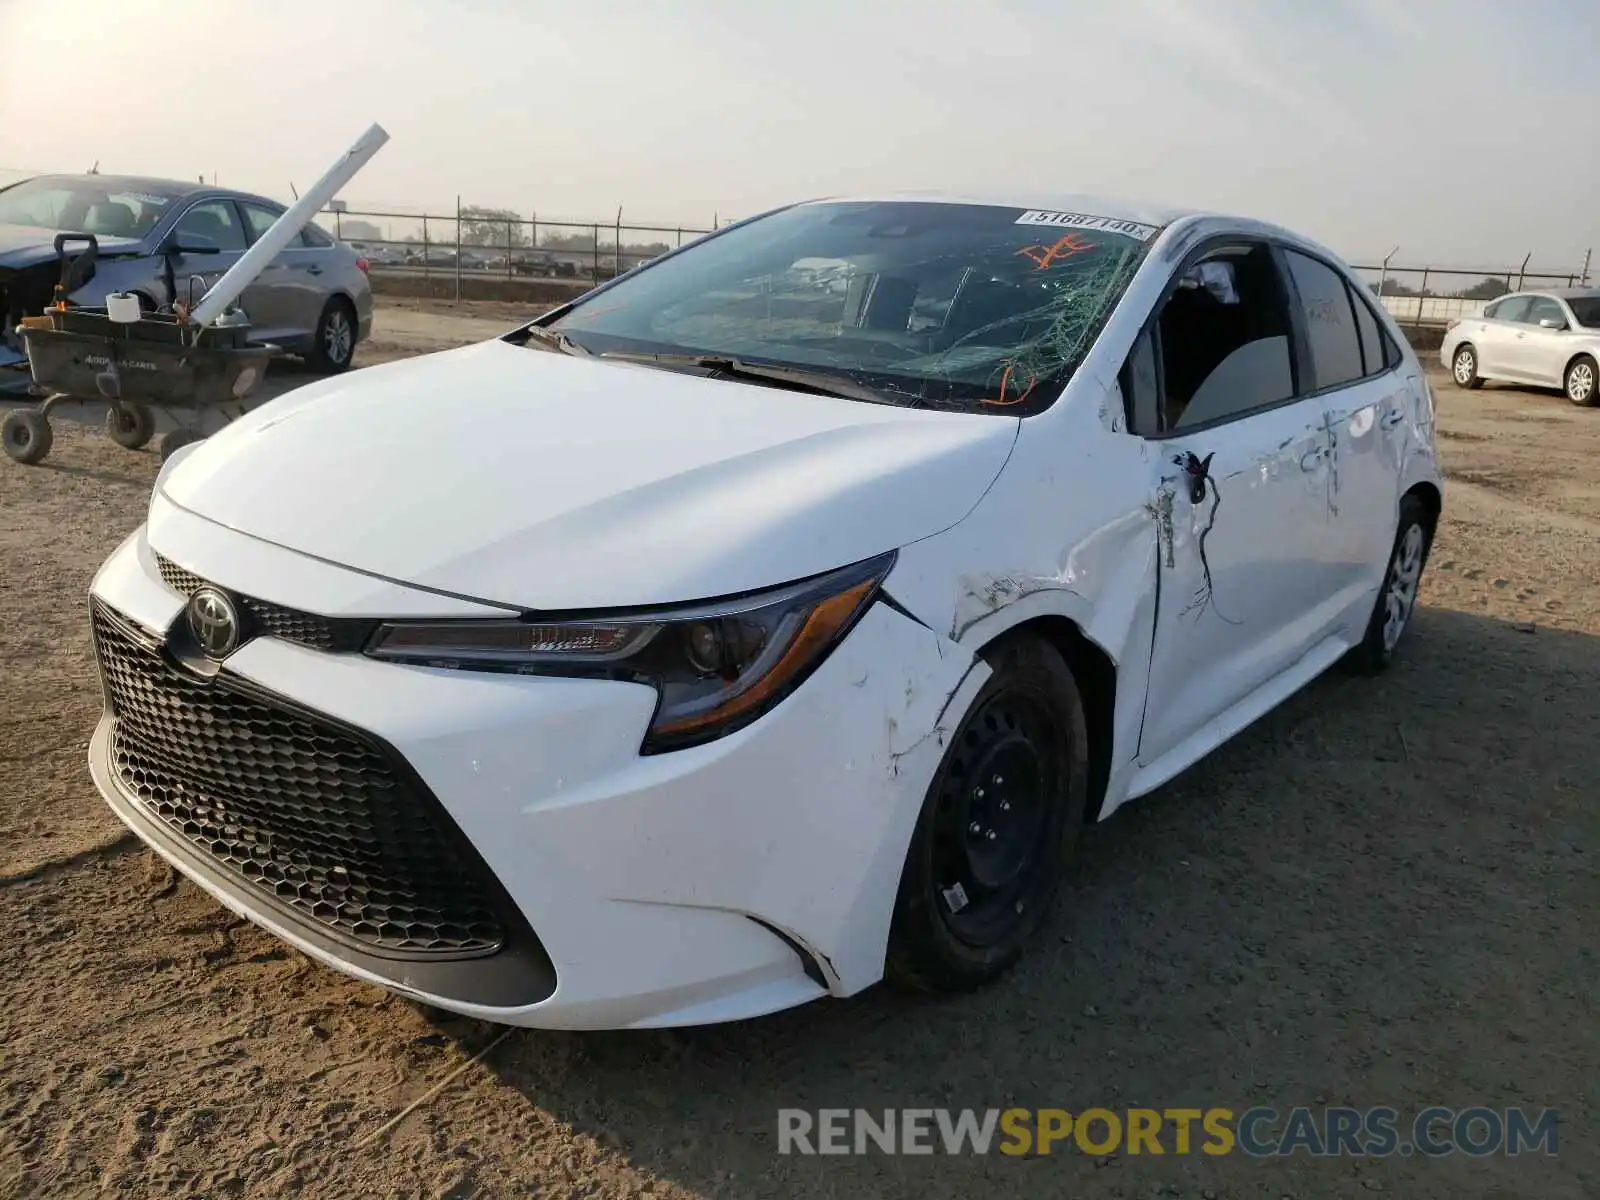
(769, 620)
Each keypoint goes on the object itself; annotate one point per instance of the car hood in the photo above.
(26, 245)
(552, 482)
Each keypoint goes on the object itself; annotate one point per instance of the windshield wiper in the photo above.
(824, 383)
(551, 339)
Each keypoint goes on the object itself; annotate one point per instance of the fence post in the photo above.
(533, 235)
(458, 249)
(1583, 280)
(1422, 294)
(597, 251)
(426, 255)
(1522, 271)
(680, 236)
(1383, 272)
(338, 226)
(616, 262)
(508, 249)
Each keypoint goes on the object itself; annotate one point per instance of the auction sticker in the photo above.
(1072, 220)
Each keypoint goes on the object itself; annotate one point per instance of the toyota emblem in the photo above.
(214, 622)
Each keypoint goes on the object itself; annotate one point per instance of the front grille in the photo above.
(321, 819)
(334, 634)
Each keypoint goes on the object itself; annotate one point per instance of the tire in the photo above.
(175, 440)
(1582, 381)
(1464, 367)
(26, 435)
(988, 855)
(130, 425)
(1408, 555)
(334, 341)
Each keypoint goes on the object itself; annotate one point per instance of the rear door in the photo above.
(1365, 402)
(268, 300)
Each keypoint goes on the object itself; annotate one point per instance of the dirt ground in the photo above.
(1383, 893)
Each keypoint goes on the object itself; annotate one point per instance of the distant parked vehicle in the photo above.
(314, 299)
(1551, 339)
(542, 262)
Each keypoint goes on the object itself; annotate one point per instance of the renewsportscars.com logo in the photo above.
(1258, 1132)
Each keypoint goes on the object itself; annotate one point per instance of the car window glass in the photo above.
(1513, 308)
(1219, 346)
(216, 221)
(314, 238)
(1374, 351)
(1330, 323)
(1545, 309)
(1141, 386)
(259, 219)
(1586, 309)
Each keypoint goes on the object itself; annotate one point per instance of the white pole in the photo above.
(243, 273)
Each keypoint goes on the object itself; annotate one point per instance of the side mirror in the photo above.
(192, 243)
(1552, 323)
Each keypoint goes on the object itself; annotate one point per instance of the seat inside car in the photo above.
(111, 219)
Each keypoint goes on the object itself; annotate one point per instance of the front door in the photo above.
(269, 301)
(207, 223)
(1496, 332)
(1240, 490)
(1541, 352)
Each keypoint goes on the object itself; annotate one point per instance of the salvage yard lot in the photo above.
(1383, 893)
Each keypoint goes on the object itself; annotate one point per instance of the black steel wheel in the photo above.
(997, 826)
(130, 425)
(26, 436)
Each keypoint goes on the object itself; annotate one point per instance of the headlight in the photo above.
(716, 666)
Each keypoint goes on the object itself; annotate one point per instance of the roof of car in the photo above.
(1575, 293)
(137, 183)
(1143, 212)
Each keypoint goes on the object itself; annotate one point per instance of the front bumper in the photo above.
(714, 883)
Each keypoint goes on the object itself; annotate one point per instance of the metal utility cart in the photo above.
(186, 357)
(159, 360)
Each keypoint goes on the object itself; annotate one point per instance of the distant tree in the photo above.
(1484, 289)
(1393, 287)
(492, 227)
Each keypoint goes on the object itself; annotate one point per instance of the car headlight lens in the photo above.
(716, 666)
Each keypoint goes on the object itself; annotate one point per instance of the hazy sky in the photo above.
(1465, 132)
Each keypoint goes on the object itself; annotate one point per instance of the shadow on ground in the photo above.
(1382, 894)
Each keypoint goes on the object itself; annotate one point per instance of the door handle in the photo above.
(314, 270)
(1393, 417)
(1311, 458)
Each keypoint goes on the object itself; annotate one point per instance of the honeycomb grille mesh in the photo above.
(310, 814)
(277, 620)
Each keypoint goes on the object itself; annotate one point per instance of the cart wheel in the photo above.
(130, 425)
(176, 440)
(26, 435)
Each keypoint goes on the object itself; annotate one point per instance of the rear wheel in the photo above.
(334, 343)
(26, 436)
(130, 425)
(1464, 366)
(1397, 598)
(997, 826)
(1582, 382)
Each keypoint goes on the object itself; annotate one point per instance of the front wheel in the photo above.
(1397, 597)
(1464, 367)
(997, 826)
(1581, 381)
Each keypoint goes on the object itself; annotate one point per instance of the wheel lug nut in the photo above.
(998, 781)
(1005, 806)
(974, 828)
(977, 793)
(991, 835)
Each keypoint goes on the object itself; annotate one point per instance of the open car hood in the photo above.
(534, 479)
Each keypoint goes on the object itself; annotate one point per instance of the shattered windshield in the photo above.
(89, 205)
(955, 305)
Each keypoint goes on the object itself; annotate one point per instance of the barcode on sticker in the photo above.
(1072, 220)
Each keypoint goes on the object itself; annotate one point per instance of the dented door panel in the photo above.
(1244, 585)
(1366, 431)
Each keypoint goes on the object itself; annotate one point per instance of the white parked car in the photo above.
(734, 638)
(1547, 338)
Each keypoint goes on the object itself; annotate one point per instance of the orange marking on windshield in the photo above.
(1066, 247)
